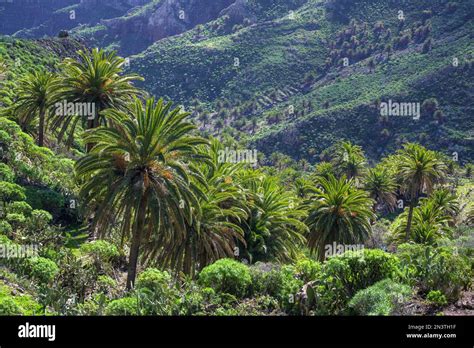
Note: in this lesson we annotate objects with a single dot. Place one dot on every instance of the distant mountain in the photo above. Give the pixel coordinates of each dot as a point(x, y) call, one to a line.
point(292, 76)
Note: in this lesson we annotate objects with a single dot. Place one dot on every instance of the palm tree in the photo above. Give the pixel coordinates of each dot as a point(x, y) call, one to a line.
point(273, 228)
point(348, 159)
point(429, 223)
point(338, 213)
point(97, 79)
point(381, 186)
point(142, 171)
point(35, 98)
point(213, 233)
point(418, 170)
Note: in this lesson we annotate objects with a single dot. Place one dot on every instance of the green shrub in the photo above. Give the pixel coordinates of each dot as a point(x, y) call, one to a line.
point(40, 268)
point(437, 298)
point(227, 276)
point(344, 275)
point(440, 268)
point(382, 298)
point(282, 283)
point(6, 174)
point(153, 279)
point(105, 283)
point(308, 269)
point(5, 228)
point(156, 293)
point(101, 250)
point(122, 306)
point(22, 208)
point(9, 307)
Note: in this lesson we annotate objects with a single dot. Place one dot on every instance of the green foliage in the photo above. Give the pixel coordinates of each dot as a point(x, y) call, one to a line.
point(9, 307)
point(5, 228)
point(436, 268)
point(122, 306)
point(41, 269)
point(344, 275)
point(437, 298)
point(226, 276)
point(101, 250)
point(340, 213)
point(6, 174)
point(152, 279)
point(308, 269)
point(382, 298)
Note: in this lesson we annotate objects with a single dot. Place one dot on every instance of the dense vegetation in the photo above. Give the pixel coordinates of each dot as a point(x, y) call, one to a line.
point(131, 209)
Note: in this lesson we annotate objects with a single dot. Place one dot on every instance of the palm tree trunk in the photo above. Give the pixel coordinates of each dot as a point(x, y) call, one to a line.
point(410, 217)
point(94, 123)
point(42, 114)
point(136, 241)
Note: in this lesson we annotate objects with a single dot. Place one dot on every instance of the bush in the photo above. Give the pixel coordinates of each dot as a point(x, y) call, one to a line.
point(282, 283)
point(344, 275)
point(430, 268)
point(156, 293)
point(9, 307)
point(308, 270)
point(5, 228)
point(6, 174)
point(22, 208)
point(122, 306)
point(40, 268)
point(382, 298)
point(100, 250)
point(105, 283)
point(153, 279)
point(437, 298)
point(227, 276)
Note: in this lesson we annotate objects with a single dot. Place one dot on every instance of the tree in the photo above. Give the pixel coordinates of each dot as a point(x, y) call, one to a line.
point(418, 170)
point(273, 228)
point(213, 232)
point(142, 171)
point(348, 159)
point(381, 186)
point(95, 79)
point(36, 97)
point(429, 224)
point(339, 213)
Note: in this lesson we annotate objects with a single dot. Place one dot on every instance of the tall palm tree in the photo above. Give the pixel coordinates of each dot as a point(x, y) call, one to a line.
point(348, 159)
point(429, 223)
point(338, 213)
point(214, 232)
point(97, 79)
point(418, 170)
point(273, 228)
point(381, 186)
point(142, 171)
point(36, 93)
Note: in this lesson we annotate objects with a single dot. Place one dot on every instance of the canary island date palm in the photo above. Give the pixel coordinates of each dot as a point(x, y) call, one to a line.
point(418, 170)
point(430, 222)
point(214, 232)
point(381, 186)
point(339, 213)
point(348, 159)
point(273, 229)
point(97, 78)
point(36, 96)
point(142, 171)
